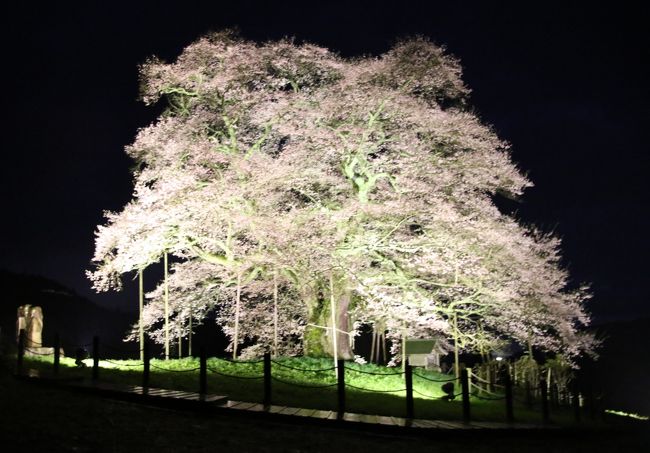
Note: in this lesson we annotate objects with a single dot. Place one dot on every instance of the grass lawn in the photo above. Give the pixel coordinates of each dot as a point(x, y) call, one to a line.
point(36, 418)
point(309, 389)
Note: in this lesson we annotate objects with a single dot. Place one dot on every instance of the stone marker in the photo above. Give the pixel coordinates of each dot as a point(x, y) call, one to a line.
point(30, 318)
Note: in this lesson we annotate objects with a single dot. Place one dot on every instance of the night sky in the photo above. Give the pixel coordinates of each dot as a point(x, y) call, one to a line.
point(566, 85)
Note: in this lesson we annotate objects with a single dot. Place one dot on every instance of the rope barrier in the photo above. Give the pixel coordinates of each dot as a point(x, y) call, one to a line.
point(239, 361)
point(174, 371)
point(233, 376)
point(122, 364)
point(126, 351)
point(84, 345)
point(435, 380)
point(428, 396)
point(302, 369)
point(489, 399)
point(38, 353)
point(373, 373)
point(484, 391)
point(304, 385)
point(375, 391)
point(483, 381)
point(524, 402)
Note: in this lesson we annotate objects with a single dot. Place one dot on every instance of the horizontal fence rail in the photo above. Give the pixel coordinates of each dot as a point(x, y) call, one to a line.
point(470, 384)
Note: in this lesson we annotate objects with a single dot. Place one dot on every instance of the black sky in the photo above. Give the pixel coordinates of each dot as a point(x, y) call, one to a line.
point(566, 85)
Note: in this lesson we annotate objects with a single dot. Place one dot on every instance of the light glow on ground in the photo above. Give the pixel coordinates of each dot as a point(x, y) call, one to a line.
point(627, 414)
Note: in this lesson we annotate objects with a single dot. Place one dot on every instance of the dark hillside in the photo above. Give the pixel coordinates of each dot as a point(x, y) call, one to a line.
point(76, 318)
point(623, 369)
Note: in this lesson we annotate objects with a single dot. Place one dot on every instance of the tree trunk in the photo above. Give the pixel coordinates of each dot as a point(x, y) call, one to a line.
point(343, 327)
point(318, 340)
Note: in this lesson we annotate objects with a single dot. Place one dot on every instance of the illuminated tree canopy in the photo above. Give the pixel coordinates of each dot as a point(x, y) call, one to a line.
point(300, 191)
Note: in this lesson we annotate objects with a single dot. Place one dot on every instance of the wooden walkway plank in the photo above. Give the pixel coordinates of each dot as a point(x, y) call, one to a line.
point(188, 399)
point(289, 410)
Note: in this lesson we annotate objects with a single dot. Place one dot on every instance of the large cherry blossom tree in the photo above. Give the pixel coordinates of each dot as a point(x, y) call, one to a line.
point(303, 195)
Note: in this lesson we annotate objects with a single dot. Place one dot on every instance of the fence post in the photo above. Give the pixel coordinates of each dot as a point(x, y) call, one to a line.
point(95, 357)
point(146, 366)
point(510, 415)
point(203, 372)
point(464, 383)
point(408, 377)
point(555, 395)
point(340, 375)
point(21, 351)
point(57, 353)
point(544, 395)
point(575, 400)
point(267, 378)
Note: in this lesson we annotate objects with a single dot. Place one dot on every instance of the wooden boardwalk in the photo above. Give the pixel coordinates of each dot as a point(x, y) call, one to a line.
point(177, 399)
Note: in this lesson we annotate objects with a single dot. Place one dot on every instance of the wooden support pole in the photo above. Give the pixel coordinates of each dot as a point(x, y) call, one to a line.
point(575, 400)
point(275, 313)
point(464, 383)
point(340, 375)
point(510, 415)
point(21, 351)
point(546, 418)
point(141, 308)
point(267, 378)
point(189, 345)
point(203, 372)
point(95, 358)
point(146, 366)
point(166, 307)
point(57, 353)
point(335, 332)
point(408, 379)
point(235, 342)
point(456, 347)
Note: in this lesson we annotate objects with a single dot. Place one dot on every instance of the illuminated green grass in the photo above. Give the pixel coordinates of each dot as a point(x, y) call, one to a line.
point(383, 395)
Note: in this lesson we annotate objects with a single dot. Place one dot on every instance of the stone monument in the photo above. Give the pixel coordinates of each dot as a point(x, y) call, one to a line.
point(30, 319)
